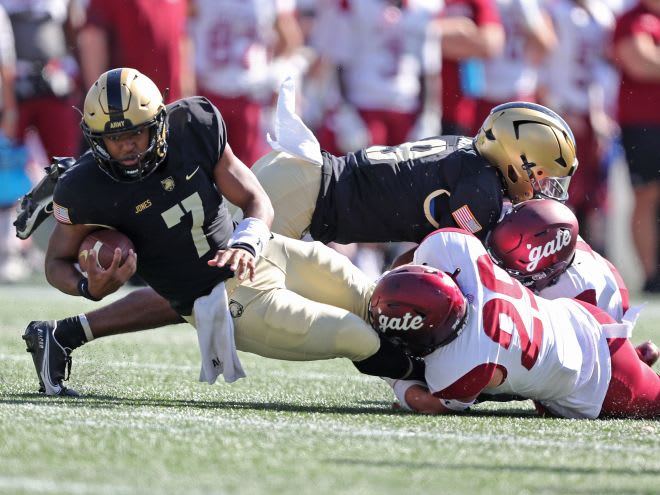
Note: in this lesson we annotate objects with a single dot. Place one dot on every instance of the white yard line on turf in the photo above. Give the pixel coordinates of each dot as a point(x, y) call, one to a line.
point(35, 485)
point(156, 420)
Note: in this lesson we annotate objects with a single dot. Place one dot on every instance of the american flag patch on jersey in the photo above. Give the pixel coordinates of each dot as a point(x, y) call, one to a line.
point(61, 213)
point(464, 217)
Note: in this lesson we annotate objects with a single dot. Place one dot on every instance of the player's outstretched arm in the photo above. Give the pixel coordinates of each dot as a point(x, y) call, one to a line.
point(240, 186)
point(421, 400)
point(416, 396)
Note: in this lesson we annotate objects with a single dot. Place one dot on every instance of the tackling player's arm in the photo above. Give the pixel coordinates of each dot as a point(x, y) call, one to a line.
point(404, 258)
point(240, 186)
point(417, 397)
point(62, 254)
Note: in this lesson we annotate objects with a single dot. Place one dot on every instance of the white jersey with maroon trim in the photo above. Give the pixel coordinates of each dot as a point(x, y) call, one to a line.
point(550, 351)
point(593, 279)
point(232, 39)
point(381, 48)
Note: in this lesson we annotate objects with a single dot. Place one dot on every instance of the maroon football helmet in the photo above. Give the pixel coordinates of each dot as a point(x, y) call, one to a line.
point(419, 307)
point(535, 242)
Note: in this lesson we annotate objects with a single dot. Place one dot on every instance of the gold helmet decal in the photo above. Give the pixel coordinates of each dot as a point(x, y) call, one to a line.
point(533, 148)
point(125, 100)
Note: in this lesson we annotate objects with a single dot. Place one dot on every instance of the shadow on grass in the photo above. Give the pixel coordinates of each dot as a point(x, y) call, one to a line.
point(109, 402)
point(373, 407)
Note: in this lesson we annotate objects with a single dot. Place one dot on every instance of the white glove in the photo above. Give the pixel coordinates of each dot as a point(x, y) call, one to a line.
point(427, 125)
point(350, 131)
point(296, 66)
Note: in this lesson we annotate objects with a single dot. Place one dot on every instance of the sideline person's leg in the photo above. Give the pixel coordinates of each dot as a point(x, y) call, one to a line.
point(642, 147)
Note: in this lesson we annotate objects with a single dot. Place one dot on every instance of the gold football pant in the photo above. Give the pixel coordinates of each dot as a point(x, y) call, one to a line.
point(307, 302)
point(292, 184)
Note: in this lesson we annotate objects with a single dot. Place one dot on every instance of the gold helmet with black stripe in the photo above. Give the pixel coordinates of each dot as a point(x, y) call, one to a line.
point(124, 100)
point(533, 148)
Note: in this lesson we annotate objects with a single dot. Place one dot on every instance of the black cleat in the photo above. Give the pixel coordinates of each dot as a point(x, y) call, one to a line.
point(37, 205)
point(51, 360)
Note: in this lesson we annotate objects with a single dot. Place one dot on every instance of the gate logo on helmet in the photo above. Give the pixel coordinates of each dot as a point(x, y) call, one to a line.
point(406, 322)
point(537, 253)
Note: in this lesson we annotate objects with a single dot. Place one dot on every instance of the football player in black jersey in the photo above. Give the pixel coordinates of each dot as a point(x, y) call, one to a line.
point(398, 193)
point(159, 174)
point(402, 193)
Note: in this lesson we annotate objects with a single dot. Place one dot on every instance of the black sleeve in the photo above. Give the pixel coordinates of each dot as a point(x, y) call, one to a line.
point(76, 205)
point(475, 205)
point(197, 122)
point(222, 131)
point(209, 116)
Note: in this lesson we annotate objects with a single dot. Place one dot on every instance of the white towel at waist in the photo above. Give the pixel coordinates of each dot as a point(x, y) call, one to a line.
point(291, 133)
point(215, 333)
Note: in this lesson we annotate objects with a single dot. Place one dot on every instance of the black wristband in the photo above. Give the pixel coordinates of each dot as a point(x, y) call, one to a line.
point(245, 247)
point(83, 289)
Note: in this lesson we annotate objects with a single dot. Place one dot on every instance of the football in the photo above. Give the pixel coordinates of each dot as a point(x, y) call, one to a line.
point(104, 242)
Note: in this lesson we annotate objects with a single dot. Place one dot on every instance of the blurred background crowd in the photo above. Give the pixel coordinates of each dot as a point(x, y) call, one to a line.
point(368, 72)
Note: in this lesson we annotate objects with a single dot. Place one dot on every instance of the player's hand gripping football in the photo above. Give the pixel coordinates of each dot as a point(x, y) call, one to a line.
point(103, 282)
point(240, 261)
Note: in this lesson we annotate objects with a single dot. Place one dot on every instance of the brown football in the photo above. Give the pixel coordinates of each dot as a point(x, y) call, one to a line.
point(104, 242)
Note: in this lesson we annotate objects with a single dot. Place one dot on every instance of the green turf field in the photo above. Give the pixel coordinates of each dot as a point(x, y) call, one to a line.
point(147, 426)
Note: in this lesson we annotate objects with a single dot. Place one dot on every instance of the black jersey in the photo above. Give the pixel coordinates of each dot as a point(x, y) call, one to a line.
point(402, 193)
point(175, 217)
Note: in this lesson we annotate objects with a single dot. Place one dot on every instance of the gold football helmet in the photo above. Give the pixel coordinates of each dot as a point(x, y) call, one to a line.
point(533, 148)
point(124, 100)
